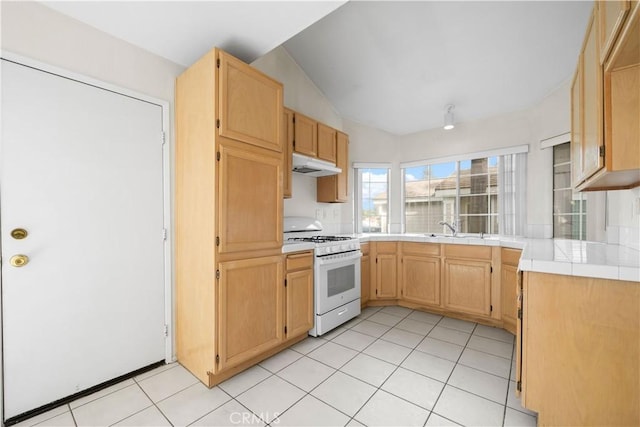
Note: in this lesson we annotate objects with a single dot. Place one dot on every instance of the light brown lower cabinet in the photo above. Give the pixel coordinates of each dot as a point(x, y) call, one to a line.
point(299, 294)
point(467, 279)
point(580, 355)
point(420, 273)
point(509, 287)
point(250, 310)
point(365, 275)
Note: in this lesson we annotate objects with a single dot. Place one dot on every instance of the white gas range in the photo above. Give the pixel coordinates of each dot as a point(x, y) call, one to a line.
point(336, 269)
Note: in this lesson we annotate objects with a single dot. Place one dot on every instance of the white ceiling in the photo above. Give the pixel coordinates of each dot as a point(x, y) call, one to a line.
point(183, 31)
point(388, 64)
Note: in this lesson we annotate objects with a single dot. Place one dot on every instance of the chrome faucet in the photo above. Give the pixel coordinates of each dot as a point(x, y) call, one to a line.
point(451, 227)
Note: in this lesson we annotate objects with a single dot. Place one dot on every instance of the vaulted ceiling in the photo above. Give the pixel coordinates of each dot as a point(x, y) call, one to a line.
point(392, 65)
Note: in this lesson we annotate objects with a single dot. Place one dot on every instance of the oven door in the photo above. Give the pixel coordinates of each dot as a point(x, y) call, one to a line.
point(337, 280)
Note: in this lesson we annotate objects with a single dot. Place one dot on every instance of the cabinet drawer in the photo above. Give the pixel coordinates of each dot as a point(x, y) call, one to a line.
point(364, 248)
point(386, 247)
point(421, 248)
point(467, 251)
point(510, 256)
point(300, 261)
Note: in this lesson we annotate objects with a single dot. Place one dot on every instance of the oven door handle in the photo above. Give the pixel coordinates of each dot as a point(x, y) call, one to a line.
point(323, 260)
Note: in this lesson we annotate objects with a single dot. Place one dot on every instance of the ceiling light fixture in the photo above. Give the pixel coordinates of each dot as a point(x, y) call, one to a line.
point(448, 117)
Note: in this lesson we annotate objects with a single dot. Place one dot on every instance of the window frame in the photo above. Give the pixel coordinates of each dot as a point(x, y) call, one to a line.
point(516, 225)
point(357, 205)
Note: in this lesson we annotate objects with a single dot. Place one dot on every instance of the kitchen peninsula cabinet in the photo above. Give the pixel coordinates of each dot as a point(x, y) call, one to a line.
point(384, 270)
point(365, 275)
point(228, 217)
point(467, 274)
point(509, 278)
point(305, 135)
point(334, 188)
point(606, 101)
point(580, 359)
point(299, 294)
point(420, 273)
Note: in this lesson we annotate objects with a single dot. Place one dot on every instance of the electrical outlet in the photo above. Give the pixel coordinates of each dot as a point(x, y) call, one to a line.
point(318, 213)
point(636, 206)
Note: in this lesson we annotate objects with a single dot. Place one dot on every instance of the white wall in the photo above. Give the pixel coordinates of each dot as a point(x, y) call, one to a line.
point(36, 32)
point(611, 215)
point(302, 95)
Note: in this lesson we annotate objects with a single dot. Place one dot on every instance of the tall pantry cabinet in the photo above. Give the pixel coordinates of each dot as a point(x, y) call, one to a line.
point(229, 266)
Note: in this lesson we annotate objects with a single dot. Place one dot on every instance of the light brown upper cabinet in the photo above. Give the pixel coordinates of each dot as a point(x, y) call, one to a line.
point(326, 143)
point(606, 105)
point(334, 188)
point(592, 160)
point(287, 132)
point(305, 135)
point(611, 14)
point(250, 104)
point(250, 199)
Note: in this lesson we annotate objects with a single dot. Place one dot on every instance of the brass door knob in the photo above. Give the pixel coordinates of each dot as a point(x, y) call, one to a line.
point(19, 260)
point(19, 233)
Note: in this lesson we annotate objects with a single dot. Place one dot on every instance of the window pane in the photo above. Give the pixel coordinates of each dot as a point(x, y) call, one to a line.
point(373, 208)
point(561, 153)
point(429, 197)
point(562, 202)
point(566, 226)
point(562, 176)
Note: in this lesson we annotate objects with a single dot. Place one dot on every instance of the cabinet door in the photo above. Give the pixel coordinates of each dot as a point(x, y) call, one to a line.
point(421, 279)
point(299, 302)
point(365, 279)
point(611, 14)
point(287, 132)
point(334, 188)
point(468, 286)
point(343, 163)
point(250, 104)
point(592, 102)
point(305, 135)
point(250, 298)
point(326, 143)
point(250, 199)
point(509, 285)
point(576, 126)
point(386, 274)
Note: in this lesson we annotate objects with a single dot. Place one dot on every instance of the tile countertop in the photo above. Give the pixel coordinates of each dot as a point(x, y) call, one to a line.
point(558, 256)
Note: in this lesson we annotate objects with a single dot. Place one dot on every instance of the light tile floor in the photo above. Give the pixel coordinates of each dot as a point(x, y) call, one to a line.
point(391, 366)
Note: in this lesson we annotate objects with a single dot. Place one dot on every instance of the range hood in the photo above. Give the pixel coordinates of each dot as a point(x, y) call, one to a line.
point(313, 167)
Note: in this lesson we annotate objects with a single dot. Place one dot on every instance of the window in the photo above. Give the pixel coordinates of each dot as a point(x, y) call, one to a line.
point(372, 195)
point(569, 208)
point(477, 194)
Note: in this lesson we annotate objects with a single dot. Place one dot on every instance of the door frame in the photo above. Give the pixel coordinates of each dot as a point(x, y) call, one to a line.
point(167, 147)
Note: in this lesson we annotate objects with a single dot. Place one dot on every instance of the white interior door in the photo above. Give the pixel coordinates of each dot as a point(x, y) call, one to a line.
point(81, 170)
